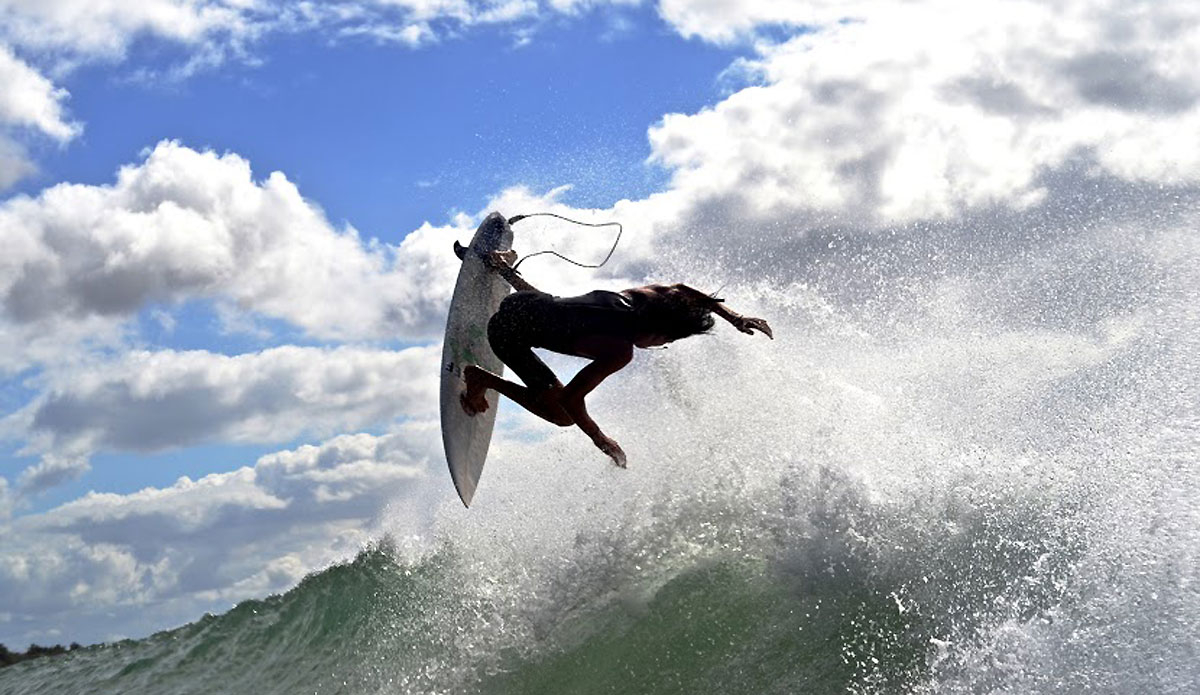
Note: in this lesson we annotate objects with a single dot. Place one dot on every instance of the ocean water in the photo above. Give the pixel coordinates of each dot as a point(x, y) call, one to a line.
point(967, 464)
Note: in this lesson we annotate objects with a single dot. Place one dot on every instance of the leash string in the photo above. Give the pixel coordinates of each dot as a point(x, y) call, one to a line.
point(620, 230)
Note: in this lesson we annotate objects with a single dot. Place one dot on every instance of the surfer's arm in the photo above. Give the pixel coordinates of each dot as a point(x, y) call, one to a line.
point(745, 324)
point(498, 262)
point(584, 383)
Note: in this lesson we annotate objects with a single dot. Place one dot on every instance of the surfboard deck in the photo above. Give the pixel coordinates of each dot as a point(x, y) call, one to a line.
point(477, 295)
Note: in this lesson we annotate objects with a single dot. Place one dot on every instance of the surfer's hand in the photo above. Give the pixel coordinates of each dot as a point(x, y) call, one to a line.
point(474, 398)
point(499, 260)
point(473, 406)
point(749, 324)
point(613, 450)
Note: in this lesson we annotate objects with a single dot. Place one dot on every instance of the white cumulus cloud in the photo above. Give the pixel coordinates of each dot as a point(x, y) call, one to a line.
point(863, 120)
point(168, 554)
point(106, 29)
point(6, 500)
point(187, 224)
point(55, 36)
point(30, 100)
point(725, 21)
point(28, 103)
point(150, 401)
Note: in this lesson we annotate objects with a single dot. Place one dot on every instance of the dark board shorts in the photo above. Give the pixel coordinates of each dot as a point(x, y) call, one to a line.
point(513, 331)
point(526, 320)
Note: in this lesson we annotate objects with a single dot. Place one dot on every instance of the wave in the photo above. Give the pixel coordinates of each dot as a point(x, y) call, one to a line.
point(941, 477)
point(827, 591)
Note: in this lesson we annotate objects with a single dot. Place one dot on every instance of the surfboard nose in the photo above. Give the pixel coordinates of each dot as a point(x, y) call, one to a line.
point(493, 228)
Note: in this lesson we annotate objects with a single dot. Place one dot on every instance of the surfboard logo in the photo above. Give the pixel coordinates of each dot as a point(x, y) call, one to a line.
point(460, 355)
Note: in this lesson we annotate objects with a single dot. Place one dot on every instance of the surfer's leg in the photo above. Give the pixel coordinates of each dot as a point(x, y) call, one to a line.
point(512, 333)
point(543, 403)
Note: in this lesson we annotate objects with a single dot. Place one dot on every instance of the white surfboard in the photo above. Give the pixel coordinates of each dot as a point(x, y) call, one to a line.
point(476, 297)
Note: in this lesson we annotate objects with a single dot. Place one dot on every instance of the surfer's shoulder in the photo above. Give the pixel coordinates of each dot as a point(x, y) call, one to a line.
point(676, 291)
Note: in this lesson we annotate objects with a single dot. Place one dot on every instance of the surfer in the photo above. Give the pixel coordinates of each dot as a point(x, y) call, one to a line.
point(601, 326)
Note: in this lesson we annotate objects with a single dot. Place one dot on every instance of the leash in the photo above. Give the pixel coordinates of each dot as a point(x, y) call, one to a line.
point(620, 230)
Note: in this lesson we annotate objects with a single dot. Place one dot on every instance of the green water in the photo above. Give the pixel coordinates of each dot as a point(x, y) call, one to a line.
point(823, 609)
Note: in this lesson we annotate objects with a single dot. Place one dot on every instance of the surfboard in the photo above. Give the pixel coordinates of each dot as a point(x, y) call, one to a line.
point(477, 295)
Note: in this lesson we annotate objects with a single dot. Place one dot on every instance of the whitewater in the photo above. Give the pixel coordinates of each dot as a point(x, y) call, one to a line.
point(966, 464)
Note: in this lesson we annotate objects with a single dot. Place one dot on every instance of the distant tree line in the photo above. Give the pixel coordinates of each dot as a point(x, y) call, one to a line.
point(8, 658)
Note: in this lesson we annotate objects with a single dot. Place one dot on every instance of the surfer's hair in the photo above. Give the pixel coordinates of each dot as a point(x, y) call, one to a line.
point(676, 311)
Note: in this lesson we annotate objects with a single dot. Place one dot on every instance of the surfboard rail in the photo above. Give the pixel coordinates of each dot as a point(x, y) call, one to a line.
point(477, 294)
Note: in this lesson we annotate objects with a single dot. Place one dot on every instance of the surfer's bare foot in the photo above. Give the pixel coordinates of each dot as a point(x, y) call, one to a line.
point(474, 399)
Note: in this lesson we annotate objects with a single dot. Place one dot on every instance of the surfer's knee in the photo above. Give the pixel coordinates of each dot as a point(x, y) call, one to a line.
point(555, 413)
point(550, 404)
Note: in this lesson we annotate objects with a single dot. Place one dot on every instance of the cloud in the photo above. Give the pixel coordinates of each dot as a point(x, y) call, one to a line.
point(83, 30)
point(29, 100)
point(56, 36)
point(418, 23)
point(28, 103)
point(6, 501)
point(727, 21)
point(50, 472)
point(14, 163)
point(198, 545)
point(415, 22)
point(106, 29)
point(956, 237)
point(61, 35)
point(859, 121)
point(186, 224)
point(150, 401)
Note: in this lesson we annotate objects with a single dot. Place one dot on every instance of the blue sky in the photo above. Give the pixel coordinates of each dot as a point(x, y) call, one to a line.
point(255, 301)
point(383, 137)
point(386, 136)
